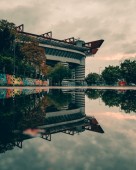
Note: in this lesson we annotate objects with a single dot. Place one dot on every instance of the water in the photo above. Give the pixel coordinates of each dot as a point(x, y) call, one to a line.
point(67, 129)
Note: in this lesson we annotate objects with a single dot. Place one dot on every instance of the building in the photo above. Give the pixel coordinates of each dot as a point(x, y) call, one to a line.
point(70, 52)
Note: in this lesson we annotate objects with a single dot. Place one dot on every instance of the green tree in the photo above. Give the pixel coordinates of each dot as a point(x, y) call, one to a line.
point(58, 73)
point(128, 71)
point(111, 75)
point(7, 36)
point(93, 78)
point(6, 64)
point(21, 50)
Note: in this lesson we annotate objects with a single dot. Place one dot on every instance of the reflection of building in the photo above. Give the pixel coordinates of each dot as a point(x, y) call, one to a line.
point(72, 119)
point(71, 111)
point(12, 138)
point(72, 127)
point(40, 116)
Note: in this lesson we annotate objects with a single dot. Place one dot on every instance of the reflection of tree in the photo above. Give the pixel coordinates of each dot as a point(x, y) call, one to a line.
point(30, 110)
point(8, 110)
point(59, 99)
point(93, 94)
point(23, 112)
point(34, 114)
point(126, 100)
point(6, 136)
point(26, 111)
point(111, 98)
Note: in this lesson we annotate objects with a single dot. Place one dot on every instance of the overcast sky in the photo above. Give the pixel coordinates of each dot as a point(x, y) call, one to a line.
point(111, 20)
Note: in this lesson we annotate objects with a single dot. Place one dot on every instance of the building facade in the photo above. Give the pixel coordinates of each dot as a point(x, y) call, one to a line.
point(70, 52)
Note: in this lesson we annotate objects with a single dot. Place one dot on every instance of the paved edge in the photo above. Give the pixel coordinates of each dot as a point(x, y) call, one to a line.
point(71, 87)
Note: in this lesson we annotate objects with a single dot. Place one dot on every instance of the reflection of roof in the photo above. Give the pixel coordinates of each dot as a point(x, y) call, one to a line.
point(72, 127)
point(62, 119)
point(63, 112)
point(63, 123)
point(16, 137)
point(93, 125)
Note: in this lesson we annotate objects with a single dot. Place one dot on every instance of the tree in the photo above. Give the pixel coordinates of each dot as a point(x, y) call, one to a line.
point(111, 74)
point(7, 36)
point(128, 71)
point(58, 73)
point(92, 78)
point(21, 50)
point(34, 55)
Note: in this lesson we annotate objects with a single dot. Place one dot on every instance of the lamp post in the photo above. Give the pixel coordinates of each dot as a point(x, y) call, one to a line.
point(14, 58)
point(14, 53)
point(100, 81)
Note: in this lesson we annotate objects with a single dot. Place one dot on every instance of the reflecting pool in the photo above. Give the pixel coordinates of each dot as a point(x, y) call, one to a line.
point(67, 129)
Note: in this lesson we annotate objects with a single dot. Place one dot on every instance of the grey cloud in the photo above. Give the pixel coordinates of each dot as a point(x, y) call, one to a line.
point(90, 29)
point(30, 16)
point(113, 21)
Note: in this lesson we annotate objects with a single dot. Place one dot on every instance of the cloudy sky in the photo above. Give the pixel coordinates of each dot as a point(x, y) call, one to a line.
point(113, 21)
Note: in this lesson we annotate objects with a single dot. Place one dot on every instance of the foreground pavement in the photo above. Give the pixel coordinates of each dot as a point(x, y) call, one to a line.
point(71, 87)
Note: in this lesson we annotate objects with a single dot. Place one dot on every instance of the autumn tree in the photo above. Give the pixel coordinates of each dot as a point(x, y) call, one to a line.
point(35, 56)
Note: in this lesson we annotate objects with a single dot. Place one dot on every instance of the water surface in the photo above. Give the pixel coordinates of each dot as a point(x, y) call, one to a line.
point(67, 129)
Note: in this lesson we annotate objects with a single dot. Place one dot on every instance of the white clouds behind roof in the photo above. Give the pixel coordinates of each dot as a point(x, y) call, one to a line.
point(113, 21)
